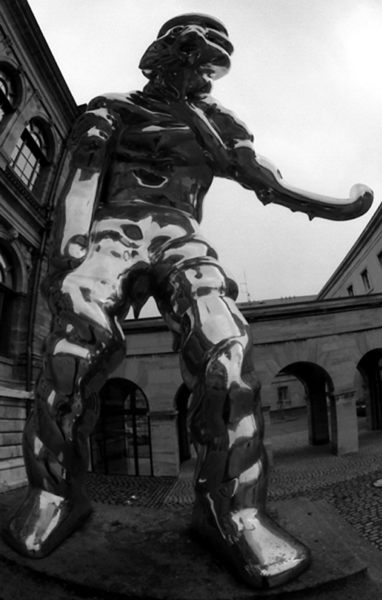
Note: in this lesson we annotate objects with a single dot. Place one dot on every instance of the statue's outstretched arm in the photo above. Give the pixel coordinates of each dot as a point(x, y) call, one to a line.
point(229, 144)
point(257, 173)
point(88, 148)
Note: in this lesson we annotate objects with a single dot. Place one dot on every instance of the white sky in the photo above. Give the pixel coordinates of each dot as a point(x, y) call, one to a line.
point(306, 79)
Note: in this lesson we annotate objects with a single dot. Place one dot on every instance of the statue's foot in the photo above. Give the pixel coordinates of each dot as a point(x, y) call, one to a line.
point(255, 547)
point(43, 521)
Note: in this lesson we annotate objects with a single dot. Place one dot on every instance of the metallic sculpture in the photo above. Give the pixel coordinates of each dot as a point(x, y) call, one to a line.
point(127, 228)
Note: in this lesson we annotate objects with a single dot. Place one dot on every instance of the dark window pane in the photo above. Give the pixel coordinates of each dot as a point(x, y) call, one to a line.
point(366, 280)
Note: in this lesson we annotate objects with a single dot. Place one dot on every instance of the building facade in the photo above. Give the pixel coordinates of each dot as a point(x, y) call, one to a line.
point(36, 113)
point(360, 272)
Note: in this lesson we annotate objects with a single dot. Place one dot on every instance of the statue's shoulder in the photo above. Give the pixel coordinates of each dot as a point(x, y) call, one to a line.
point(225, 120)
point(125, 101)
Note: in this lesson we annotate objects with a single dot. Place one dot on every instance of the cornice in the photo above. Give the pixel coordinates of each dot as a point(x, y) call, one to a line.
point(257, 312)
point(311, 308)
point(37, 51)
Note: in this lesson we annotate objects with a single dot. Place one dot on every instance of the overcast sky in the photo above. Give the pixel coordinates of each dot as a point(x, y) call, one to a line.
point(305, 77)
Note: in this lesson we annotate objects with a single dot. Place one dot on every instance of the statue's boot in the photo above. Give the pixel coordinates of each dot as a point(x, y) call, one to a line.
point(56, 503)
point(230, 488)
point(56, 438)
point(259, 551)
point(43, 521)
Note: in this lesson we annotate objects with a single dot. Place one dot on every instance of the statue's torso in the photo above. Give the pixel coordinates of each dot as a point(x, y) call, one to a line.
point(155, 157)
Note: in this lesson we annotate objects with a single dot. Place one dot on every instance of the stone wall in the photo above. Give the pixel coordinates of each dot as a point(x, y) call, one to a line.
point(12, 421)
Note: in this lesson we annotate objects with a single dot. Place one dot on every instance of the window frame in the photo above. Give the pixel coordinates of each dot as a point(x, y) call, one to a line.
point(350, 290)
point(366, 280)
point(32, 153)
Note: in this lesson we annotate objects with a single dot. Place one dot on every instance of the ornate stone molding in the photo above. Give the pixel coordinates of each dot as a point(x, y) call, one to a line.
point(18, 184)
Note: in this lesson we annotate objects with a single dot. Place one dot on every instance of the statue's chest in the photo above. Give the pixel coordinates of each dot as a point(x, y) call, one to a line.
point(158, 135)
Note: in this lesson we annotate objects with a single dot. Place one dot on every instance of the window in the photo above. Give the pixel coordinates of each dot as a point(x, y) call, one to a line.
point(379, 256)
point(366, 280)
point(350, 290)
point(6, 300)
point(8, 92)
point(121, 442)
point(282, 397)
point(30, 154)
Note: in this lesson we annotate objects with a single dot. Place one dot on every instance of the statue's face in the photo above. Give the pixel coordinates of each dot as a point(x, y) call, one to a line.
point(188, 55)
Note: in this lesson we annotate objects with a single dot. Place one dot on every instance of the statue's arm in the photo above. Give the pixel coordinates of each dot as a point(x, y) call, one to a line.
point(261, 176)
point(235, 158)
point(88, 147)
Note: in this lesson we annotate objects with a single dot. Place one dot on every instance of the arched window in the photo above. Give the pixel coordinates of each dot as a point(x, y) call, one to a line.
point(31, 154)
point(121, 443)
point(8, 91)
point(7, 293)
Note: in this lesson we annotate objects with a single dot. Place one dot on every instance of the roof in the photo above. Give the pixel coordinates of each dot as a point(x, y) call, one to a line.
point(373, 225)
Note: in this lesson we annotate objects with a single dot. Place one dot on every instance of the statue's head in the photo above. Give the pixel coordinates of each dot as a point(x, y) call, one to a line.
point(193, 49)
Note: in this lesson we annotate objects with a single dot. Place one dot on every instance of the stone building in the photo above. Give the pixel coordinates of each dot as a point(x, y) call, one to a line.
point(36, 114)
point(360, 272)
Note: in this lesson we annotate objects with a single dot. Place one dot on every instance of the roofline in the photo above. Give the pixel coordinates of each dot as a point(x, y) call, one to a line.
point(366, 234)
point(269, 312)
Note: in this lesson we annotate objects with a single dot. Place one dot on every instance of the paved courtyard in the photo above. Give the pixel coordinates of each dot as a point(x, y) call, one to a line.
point(346, 482)
point(161, 507)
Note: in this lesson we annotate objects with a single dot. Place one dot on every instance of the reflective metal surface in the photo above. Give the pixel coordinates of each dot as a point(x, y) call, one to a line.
point(127, 228)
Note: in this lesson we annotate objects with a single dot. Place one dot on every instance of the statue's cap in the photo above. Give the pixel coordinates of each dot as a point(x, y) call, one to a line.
point(198, 19)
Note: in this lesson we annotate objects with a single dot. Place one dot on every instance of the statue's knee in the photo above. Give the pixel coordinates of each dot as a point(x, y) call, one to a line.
point(198, 281)
point(226, 359)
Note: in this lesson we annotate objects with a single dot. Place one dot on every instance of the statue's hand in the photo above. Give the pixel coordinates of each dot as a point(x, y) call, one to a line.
point(265, 194)
point(269, 186)
point(90, 137)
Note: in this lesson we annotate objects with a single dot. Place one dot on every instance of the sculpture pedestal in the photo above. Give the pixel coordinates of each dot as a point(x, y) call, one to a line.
point(150, 553)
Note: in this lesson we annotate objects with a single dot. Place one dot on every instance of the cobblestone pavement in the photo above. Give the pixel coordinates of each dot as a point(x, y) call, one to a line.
point(346, 482)
point(131, 491)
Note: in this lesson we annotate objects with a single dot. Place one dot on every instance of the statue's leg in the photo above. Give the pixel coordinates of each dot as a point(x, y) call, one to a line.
point(227, 427)
point(78, 355)
point(85, 345)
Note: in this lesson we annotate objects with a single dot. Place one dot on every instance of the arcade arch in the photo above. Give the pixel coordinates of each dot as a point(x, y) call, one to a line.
point(317, 390)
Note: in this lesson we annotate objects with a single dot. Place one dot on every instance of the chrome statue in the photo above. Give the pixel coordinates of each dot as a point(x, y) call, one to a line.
point(128, 228)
